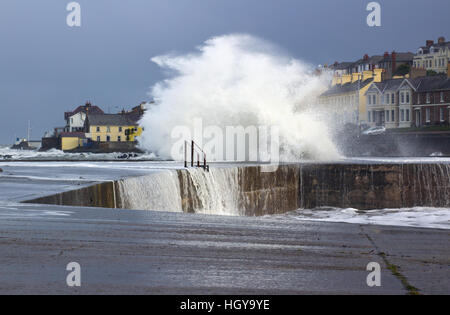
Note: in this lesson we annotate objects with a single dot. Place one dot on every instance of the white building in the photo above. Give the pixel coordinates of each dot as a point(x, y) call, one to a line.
point(433, 56)
point(382, 100)
point(75, 122)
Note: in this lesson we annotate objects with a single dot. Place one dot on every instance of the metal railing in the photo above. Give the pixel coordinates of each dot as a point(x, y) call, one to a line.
point(195, 150)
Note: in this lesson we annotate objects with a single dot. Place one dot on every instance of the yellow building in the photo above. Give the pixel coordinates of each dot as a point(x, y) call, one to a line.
point(346, 100)
point(72, 140)
point(112, 128)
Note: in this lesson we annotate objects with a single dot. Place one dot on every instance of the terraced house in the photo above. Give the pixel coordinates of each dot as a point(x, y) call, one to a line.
point(433, 56)
point(431, 101)
point(345, 100)
point(405, 103)
point(382, 99)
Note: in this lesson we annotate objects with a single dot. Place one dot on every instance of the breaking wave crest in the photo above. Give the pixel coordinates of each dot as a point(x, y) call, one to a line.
point(238, 80)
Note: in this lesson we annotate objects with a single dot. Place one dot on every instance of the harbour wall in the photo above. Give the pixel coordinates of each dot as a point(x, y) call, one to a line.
point(249, 191)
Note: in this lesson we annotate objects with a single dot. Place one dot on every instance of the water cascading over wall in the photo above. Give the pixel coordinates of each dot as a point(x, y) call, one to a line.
point(224, 191)
point(248, 191)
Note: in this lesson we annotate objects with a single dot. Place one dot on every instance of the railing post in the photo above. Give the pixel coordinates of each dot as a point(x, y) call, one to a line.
point(192, 153)
point(185, 154)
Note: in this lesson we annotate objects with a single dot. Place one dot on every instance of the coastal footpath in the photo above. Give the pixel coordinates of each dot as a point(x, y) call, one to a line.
point(149, 252)
point(154, 252)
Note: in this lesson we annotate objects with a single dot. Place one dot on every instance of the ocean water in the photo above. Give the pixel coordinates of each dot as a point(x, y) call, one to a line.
point(214, 195)
point(57, 155)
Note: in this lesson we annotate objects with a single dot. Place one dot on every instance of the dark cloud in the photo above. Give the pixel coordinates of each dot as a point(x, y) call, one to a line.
point(47, 67)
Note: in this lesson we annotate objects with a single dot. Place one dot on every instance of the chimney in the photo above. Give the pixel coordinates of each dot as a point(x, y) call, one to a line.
point(441, 40)
point(429, 43)
point(386, 55)
point(366, 57)
point(394, 62)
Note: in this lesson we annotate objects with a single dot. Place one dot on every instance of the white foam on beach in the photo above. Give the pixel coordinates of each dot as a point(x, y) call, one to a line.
point(425, 217)
point(7, 153)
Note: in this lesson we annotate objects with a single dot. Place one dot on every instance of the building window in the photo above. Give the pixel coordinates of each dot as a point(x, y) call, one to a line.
point(393, 115)
point(418, 98)
point(120, 129)
point(387, 116)
point(407, 115)
point(407, 97)
point(108, 138)
point(369, 100)
point(393, 98)
point(442, 97)
point(108, 129)
point(441, 114)
point(98, 138)
point(374, 99)
point(119, 139)
point(369, 116)
point(428, 114)
point(402, 115)
point(98, 129)
point(402, 97)
point(428, 98)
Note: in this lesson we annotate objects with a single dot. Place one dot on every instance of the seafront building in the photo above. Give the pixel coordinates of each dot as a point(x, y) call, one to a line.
point(394, 90)
point(111, 128)
point(433, 56)
point(89, 129)
point(345, 99)
point(410, 102)
point(75, 120)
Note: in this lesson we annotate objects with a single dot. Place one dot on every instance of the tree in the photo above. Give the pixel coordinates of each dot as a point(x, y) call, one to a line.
point(403, 69)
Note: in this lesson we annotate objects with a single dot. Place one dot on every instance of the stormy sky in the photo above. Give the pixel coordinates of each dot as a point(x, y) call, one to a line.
point(47, 67)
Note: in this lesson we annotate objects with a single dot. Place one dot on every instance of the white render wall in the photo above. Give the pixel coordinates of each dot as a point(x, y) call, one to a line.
point(76, 121)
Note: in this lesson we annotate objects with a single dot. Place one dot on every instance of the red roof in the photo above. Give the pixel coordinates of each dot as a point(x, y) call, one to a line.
point(95, 110)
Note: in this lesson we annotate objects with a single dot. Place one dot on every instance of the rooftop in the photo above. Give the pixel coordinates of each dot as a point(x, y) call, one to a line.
point(346, 88)
point(110, 120)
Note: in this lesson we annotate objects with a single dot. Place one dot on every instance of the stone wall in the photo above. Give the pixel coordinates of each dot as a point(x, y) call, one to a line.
point(360, 186)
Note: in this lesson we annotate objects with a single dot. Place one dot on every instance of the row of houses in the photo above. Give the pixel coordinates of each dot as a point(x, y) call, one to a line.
point(398, 90)
point(409, 102)
point(433, 57)
point(89, 128)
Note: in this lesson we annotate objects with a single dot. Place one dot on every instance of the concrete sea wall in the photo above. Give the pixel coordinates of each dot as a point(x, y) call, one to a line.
point(101, 195)
point(249, 191)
